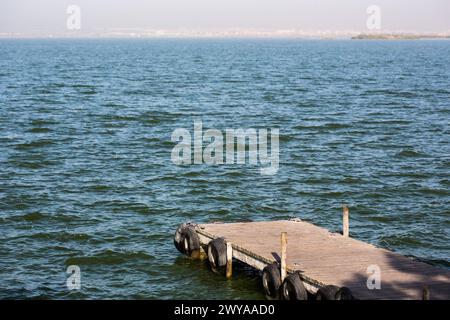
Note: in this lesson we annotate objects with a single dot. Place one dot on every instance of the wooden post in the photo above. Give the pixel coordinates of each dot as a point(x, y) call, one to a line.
point(345, 225)
point(283, 255)
point(425, 293)
point(229, 260)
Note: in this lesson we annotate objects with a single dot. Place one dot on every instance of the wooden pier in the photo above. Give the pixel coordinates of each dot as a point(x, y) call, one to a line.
point(322, 258)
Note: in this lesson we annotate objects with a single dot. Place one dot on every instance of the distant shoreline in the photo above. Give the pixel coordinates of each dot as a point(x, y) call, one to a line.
point(355, 38)
point(386, 36)
point(249, 34)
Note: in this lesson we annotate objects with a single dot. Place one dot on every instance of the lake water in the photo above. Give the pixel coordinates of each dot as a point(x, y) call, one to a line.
point(86, 176)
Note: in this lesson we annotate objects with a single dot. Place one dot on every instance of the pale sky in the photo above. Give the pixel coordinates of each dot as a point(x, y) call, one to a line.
point(49, 16)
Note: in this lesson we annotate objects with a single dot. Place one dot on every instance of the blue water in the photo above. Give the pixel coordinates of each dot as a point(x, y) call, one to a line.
point(86, 176)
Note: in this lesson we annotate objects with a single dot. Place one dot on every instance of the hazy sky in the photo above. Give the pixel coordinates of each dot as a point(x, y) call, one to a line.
point(44, 16)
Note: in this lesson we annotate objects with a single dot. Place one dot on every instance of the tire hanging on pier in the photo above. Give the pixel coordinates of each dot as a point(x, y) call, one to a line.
point(186, 239)
point(327, 293)
point(178, 238)
point(271, 280)
point(293, 288)
point(331, 292)
point(344, 293)
point(217, 253)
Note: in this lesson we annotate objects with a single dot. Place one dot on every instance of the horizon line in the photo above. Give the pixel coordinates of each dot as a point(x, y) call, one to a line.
point(199, 34)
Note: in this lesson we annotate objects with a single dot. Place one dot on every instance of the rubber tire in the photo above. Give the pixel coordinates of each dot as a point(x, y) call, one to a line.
point(271, 280)
point(293, 288)
point(178, 238)
point(327, 293)
point(191, 241)
point(186, 239)
point(344, 293)
point(217, 253)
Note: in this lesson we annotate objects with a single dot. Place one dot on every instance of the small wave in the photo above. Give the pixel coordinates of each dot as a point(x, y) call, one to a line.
point(34, 216)
point(386, 122)
point(61, 236)
point(118, 205)
point(39, 130)
point(269, 98)
point(165, 178)
point(30, 217)
point(82, 86)
point(223, 212)
point(65, 217)
point(418, 175)
point(112, 118)
point(113, 105)
point(334, 125)
point(85, 89)
point(140, 208)
point(200, 181)
point(352, 180)
point(231, 173)
point(190, 174)
point(97, 188)
point(110, 257)
point(56, 85)
point(34, 144)
point(38, 164)
point(390, 92)
point(445, 164)
point(228, 80)
point(41, 100)
point(137, 92)
point(271, 208)
point(300, 89)
point(163, 143)
point(152, 120)
point(383, 219)
point(42, 91)
point(326, 126)
point(398, 240)
point(220, 198)
point(196, 191)
point(318, 181)
point(332, 194)
point(375, 195)
point(286, 138)
point(409, 154)
point(434, 191)
point(42, 122)
point(88, 92)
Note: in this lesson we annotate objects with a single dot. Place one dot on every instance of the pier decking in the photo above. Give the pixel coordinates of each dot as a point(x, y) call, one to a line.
point(325, 258)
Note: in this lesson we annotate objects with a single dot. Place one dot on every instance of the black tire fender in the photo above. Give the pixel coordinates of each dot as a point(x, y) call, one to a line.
point(271, 280)
point(191, 241)
point(217, 253)
point(186, 239)
point(344, 293)
point(293, 288)
point(178, 238)
point(327, 293)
